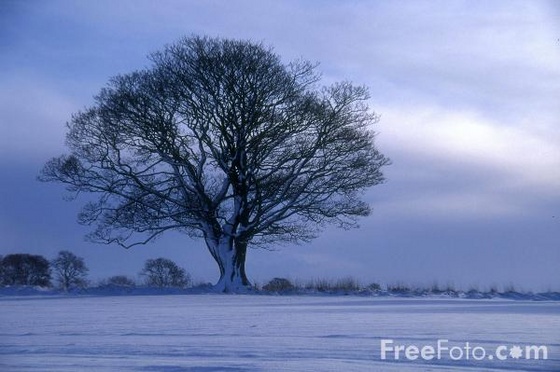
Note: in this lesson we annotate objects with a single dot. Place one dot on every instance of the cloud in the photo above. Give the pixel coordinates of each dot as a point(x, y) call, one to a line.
point(462, 164)
point(522, 152)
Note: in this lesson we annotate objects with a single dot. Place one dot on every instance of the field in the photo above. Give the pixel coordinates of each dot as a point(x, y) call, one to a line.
point(272, 333)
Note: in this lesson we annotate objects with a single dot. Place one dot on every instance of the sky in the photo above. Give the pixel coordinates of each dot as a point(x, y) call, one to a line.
point(468, 96)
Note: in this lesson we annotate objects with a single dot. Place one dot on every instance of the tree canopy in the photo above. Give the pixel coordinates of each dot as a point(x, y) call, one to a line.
point(220, 139)
point(25, 269)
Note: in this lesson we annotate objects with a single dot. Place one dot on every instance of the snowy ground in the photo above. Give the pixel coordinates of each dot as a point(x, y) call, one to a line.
point(267, 333)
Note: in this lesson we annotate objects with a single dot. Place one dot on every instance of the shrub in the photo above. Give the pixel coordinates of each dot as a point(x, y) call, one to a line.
point(374, 287)
point(119, 281)
point(321, 285)
point(278, 285)
point(347, 284)
point(399, 288)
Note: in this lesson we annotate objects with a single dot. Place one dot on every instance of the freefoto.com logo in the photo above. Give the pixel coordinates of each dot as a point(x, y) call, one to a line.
point(465, 351)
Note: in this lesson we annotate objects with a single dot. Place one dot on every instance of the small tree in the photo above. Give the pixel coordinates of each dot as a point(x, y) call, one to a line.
point(70, 270)
point(162, 272)
point(25, 269)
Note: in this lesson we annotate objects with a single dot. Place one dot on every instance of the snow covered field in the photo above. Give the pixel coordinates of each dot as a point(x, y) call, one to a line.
point(270, 333)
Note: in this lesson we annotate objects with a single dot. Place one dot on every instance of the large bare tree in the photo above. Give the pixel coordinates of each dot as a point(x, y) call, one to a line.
point(221, 140)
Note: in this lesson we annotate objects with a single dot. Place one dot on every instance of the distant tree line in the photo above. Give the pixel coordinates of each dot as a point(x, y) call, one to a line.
point(159, 272)
point(68, 271)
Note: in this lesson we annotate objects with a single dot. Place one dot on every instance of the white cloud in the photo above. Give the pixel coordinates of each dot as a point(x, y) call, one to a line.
point(521, 151)
point(463, 164)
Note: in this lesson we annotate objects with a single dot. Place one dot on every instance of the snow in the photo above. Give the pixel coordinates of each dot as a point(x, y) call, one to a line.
point(208, 332)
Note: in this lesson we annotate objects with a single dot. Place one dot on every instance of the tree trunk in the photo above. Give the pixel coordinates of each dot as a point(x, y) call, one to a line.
point(230, 255)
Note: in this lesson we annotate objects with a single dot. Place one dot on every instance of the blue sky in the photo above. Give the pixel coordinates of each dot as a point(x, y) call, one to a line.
point(467, 93)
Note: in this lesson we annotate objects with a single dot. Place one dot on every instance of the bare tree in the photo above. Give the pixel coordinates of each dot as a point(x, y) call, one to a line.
point(70, 270)
point(25, 269)
point(221, 140)
point(162, 272)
